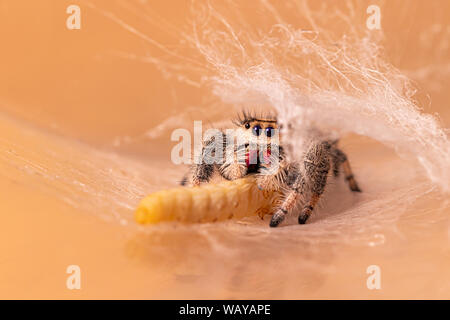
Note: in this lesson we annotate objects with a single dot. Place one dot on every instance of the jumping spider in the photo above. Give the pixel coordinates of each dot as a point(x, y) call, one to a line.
point(299, 181)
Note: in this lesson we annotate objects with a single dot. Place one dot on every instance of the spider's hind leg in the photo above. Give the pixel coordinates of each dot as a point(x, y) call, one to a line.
point(339, 159)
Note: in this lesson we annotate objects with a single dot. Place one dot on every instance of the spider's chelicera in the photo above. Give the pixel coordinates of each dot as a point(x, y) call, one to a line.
point(258, 151)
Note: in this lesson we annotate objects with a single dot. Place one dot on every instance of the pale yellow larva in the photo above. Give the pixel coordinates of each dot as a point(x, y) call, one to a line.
point(206, 203)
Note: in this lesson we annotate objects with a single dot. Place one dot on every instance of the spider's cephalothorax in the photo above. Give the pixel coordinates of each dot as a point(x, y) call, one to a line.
point(254, 147)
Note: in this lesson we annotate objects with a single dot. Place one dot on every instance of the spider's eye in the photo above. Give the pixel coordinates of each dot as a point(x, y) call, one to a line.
point(269, 131)
point(257, 130)
point(247, 125)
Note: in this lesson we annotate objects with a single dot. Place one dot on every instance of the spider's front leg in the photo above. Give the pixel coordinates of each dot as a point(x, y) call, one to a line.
point(201, 173)
point(313, 181)
point(292, 196)
point(317, 166)
point(211, 154)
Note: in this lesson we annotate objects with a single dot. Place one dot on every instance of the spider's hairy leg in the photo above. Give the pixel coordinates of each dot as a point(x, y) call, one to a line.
point(308, 209)
point(295, 184)
point(340, 158)
point(201, 173)
point(350, 177)
point(337, 158)
point(203, 170)
point(317, 166)
point(184, 180)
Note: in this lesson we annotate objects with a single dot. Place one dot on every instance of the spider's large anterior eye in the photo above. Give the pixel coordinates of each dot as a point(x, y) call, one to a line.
point(257, 130)
point(247, 125)
point(269, 131)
